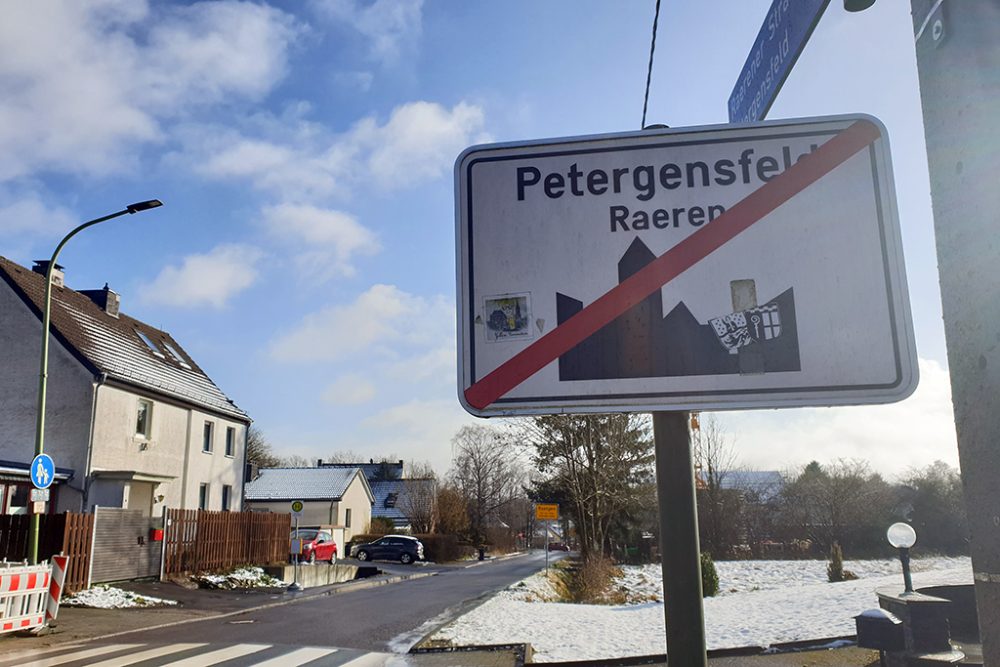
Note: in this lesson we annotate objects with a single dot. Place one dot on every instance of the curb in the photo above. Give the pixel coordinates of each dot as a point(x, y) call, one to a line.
point(347, 588)
point(495, 559)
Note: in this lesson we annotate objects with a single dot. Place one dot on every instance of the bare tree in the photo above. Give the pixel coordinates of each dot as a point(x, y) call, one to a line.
point(418, 497)
point(719, 498)
point(487, 474)
point(259, 450)
point(452, 517)
point(343, 456)
point(296, 461)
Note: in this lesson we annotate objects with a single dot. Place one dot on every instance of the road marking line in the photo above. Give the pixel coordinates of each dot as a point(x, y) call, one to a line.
point(749, 210)
point(371, 660)
point(220, 655)
point(298, 657)
point(155, 652)
point(75, 655)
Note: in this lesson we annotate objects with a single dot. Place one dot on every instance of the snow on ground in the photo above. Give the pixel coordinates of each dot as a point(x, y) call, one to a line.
point(109, 597)
point(246, 577)
point(765, 603)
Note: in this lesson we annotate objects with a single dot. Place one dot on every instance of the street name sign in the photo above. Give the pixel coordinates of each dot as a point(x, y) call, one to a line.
point(547, 512)
point(708, 268)
point(42, 471)
point(784, 33)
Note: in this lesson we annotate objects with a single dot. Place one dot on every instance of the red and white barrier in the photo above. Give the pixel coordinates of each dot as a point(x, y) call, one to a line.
point(24, 594)
point(59, 565)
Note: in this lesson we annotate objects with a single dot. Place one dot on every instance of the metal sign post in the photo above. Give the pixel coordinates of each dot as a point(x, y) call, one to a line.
point(297, 507)
point(680, 556)
point(547, 512)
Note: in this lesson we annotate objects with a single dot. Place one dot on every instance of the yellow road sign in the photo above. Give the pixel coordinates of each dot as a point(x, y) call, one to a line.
point(547, 512)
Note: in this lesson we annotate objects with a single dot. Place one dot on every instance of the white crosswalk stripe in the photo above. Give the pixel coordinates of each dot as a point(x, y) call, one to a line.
point(155, 652)
point(200, 655)
point(297, 657)
point(219, 655)
point(77, 655)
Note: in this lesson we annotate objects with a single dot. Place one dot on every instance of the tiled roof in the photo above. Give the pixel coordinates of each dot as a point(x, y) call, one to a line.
point(301, 483)
point(397, 509)
point(110, 345)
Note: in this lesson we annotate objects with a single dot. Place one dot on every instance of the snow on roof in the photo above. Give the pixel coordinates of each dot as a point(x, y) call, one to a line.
point(301, 483)
point(114, 345)
point(395, 498)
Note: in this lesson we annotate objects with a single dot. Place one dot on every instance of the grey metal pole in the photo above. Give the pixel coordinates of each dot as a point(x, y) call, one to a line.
point(43, 372)
point(546, 547)
point(679, 548)
point(958, 57)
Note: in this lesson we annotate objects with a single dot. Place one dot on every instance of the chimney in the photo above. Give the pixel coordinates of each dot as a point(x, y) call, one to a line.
point(105, 298)
point(58, 276)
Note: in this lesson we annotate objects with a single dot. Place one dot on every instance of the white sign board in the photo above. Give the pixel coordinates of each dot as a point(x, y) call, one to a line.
point(297, 507)
point(718, 267)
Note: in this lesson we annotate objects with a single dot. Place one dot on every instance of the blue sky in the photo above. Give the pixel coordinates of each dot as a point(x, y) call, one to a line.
point(304, 151)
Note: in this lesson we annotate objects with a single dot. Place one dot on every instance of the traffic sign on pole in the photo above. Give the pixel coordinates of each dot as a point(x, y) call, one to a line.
point(717, 267)
point(784, 33)
point(42, 471)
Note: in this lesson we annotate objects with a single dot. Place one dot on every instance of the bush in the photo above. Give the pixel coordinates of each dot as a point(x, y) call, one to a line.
point(441, 548)
point(709, 576)
point(381, 525)
point(591, 582)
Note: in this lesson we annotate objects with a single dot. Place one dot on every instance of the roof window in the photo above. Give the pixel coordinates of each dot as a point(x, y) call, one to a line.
point(150, 344)
point(390, 500)
point(176, 355)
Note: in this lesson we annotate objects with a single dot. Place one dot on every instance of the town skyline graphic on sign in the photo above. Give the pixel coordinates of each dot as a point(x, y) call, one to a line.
point(642, 342)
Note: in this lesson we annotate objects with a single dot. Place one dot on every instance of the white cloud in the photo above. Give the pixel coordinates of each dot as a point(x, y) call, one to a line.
point(351, 389)
point(392, 27)
point(419, 142)
point(28, 215)
point(422, 426)
point(333, 237)
point(382, 317)
point(895, 437)
point(86, 84)
point(209, 279)
point(298, 160)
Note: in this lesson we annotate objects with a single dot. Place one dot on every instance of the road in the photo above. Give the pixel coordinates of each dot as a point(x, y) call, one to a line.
point(384, 618)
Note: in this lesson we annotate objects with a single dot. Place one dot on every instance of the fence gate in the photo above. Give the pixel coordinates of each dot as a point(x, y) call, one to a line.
point(122, 549)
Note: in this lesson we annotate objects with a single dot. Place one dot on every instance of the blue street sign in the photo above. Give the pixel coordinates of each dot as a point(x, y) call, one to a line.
point(782, 36)
point(43, 471)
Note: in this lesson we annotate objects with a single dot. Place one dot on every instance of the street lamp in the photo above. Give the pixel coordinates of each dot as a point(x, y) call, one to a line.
point(44, 367)
point(902, 536)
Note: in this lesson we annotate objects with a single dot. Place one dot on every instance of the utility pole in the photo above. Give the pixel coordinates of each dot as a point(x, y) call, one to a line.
point(958, 57)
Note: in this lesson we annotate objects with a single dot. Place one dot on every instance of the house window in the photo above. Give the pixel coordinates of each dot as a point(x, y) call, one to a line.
point(230, 440)
point(203, 497)
point(227, 494)
point(143, 417)
point(347, 517)
point(206, 441)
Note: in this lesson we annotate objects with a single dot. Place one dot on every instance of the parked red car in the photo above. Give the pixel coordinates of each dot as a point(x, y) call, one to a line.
point(558, 546)
point(317, 544)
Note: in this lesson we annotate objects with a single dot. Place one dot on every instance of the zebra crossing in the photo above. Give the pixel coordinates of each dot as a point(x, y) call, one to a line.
point(199, 655)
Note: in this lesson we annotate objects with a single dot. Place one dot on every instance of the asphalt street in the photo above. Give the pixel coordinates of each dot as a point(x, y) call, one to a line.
point(384, 618)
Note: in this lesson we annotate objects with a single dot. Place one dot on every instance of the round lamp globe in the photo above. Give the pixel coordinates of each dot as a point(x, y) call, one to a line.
point(901, 535)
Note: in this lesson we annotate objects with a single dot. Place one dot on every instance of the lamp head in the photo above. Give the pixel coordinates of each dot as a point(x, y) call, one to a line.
point(901, 535)
point(143, 206)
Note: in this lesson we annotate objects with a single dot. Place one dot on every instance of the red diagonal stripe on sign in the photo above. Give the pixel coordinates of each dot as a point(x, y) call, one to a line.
point(809, 169)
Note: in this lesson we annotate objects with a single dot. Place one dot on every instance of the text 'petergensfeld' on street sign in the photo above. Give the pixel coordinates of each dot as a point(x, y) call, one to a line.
point(705, 268)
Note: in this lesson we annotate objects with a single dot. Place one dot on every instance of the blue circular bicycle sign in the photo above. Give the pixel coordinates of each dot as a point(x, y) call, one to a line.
point(43, 471)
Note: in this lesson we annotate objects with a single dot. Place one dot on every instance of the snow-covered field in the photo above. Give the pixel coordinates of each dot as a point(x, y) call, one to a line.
point(760, 603)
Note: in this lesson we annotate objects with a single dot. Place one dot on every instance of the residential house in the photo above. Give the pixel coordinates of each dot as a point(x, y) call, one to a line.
point(132, 421)
point(337, 497)
point(407, 503)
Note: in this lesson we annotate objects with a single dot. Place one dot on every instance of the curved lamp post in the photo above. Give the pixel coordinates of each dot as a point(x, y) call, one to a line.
point(902, 536)
point(44, 367)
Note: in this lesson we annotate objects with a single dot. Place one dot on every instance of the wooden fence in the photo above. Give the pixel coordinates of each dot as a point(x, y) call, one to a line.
point(70, 534)
point(198, 540)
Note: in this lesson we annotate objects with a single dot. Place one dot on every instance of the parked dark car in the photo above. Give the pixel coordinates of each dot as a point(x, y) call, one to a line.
point(558, 546)
point(403, 548)
point(317, 544)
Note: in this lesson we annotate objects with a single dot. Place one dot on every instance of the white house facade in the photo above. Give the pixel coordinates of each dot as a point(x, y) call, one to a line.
point(131, 420)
